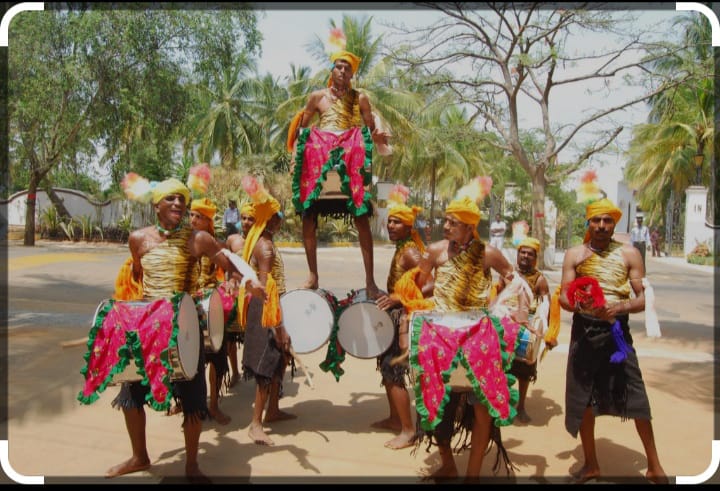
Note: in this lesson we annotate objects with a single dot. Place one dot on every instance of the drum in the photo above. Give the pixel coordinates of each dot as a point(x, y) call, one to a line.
point(364, 330)
point(309, 317)
point(212, 319)
point(331, 186)
point(527, 347)
point(143, 318)
point(454, 321)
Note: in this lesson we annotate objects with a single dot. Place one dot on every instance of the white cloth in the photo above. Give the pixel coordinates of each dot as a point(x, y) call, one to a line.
point(640, 234)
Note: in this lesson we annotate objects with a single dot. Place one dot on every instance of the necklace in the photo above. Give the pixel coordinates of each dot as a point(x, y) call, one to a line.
point(594, 249)
point(464, 247)
point(336, 94)
point(166, 232)
point(401, 243)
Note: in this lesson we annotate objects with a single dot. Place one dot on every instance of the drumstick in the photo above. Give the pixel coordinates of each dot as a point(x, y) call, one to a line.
point(302, 366)
point(74, 342)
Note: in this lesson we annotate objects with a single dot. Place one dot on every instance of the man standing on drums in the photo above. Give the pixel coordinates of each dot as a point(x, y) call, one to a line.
point(202, 216)
point(235, 243)
point(267, 345)
point(164, 259)
point(337, 143)
point(460, 268)
point(597, 382)
point(527, 254)
point(408, 249)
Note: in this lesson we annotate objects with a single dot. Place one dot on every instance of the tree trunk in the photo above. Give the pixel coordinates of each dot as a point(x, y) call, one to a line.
point(538, 214)
point(59, 204)
point(432, 202)
point(30, 211)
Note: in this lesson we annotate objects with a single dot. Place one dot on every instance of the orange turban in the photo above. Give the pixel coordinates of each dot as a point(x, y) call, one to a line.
point(601, 207)
point(352, 59)
point(205, 207)
point(466, 211)
point(530, 242)
point(407, 215)
point(248, 209)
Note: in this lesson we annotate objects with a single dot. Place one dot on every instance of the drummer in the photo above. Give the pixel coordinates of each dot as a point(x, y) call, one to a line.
point(202, 217)
point(460, 267)
point(408, 249)
point(164, 259)
point(235, 243)
point(267, 344)
point(527, 256)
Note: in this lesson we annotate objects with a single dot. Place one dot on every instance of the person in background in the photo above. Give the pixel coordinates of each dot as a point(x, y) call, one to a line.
point(497, 232)
point(230, 218)
point(655, 242)
point(640, 237)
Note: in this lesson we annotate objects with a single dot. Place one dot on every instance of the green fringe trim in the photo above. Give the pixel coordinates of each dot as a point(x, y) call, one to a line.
point(459, 357)
point(334, 357)
point(334, 158)
point(123, 354)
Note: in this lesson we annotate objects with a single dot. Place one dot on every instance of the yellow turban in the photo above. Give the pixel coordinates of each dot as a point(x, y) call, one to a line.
point(168, 187)
point(248, 209)
point(205, 207)
point(264, 211)
point(530, 242)
point(407, 216)
point(601, 207)
point(466, 211)
point(352, 59)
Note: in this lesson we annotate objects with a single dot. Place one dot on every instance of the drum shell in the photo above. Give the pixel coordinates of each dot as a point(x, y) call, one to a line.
point(364, 330)
point(212, 318)
point(454, 320)
point(183, 356)
point(309, 317)
point(527, 347)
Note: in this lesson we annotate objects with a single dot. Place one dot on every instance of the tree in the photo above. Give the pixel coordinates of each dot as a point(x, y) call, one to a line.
point(505, 61)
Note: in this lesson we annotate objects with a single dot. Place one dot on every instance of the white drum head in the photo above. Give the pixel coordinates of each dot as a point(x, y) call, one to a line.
point(188, 337)
point(308, 318)
point(365, 330)
point(215, 319)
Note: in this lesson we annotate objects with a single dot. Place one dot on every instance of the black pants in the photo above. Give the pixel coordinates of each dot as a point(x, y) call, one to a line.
point(641, 246)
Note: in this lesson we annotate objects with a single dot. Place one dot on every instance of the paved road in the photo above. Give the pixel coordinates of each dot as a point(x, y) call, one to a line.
point(54, 291)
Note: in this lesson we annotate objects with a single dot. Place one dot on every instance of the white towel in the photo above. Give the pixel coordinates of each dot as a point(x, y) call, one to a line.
point(652, 326)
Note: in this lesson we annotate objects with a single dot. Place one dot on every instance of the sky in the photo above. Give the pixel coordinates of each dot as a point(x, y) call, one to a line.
point(288, 32)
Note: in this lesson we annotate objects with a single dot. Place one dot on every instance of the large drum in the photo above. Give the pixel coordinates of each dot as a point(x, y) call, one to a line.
point(212, 319)
point(453, 321)
point(151, 322)
point(527, 347)
point(309, 317)
point(364, 330)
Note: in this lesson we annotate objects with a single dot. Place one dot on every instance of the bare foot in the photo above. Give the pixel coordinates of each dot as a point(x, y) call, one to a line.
point(219, 416)
point(234, 380)
point(312, 282)
point(657, 478)
point(278, 416)
point(522, 416)
point(129, 466)
point(584, 475)
point(194, 476)
point(259, 436)
point(403, 440)
point(444, 473)
point(373, 292)
point(387, 424)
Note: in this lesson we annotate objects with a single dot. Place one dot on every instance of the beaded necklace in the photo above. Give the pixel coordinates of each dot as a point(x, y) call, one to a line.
point(166, 232)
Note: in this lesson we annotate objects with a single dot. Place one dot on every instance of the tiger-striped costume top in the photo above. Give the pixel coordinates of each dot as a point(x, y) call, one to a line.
point(169, 267)
point(342, 114)
point(461, 283)
point(208, 273)
point(277, 269)
point(396, 270)
point(608, 268)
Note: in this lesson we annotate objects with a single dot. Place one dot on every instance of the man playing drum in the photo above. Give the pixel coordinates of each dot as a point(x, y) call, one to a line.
point(164, 259)
point(202, 215)
point(235, 243)
point(527, 254)
point(460, 268)
point(408, 248)
point(267, 344)
point(338, 142)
